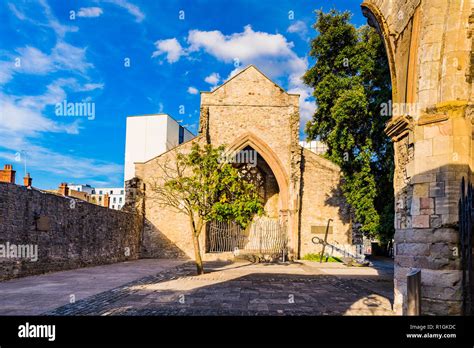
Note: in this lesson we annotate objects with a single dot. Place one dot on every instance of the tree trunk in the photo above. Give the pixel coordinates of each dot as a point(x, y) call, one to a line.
point(197, 251)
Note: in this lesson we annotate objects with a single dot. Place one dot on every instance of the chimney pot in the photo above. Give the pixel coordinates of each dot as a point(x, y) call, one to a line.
point(27, 180)
point(7, 174)
point(63, 189)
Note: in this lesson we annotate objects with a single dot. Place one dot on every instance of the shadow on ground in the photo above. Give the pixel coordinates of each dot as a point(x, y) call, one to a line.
point(242, 289)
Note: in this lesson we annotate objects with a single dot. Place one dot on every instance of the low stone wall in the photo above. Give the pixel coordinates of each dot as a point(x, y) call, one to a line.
point(65, 232)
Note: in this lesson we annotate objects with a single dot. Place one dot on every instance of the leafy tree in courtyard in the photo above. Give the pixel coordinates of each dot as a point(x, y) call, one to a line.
point(205, 188)
point(351, 80)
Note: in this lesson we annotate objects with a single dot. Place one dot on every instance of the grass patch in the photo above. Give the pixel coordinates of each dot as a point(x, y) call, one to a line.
point(317, 257)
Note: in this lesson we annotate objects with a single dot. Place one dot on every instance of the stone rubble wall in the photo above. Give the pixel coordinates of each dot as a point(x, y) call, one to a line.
point(68, 233)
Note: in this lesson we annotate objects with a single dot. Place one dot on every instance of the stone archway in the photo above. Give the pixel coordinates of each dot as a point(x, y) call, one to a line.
point(429, 47)
point(376, 19)
point(250, 139)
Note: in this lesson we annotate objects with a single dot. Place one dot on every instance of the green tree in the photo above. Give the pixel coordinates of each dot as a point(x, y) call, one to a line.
point(351, 80)
point(204, 187)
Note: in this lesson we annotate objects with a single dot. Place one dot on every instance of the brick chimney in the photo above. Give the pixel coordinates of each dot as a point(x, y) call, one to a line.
point(63, 189)
point(7, 174)
point(106, 200)
point(27, 180)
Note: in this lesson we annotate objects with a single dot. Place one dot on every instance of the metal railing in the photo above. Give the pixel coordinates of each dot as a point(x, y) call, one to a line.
point(262, 236)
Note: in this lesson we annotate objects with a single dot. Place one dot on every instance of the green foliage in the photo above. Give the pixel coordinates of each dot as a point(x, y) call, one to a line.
point(351, 79)
point(212, 189)
point(317, 257)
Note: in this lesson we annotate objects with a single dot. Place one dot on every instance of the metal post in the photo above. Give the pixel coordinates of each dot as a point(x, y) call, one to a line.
point(414, 292)
point(325, 241)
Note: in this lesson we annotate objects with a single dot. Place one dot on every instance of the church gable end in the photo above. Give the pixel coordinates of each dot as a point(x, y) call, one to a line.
point(248, 87)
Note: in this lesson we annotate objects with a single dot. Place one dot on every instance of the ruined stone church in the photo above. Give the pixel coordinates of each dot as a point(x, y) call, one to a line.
point(300, 188)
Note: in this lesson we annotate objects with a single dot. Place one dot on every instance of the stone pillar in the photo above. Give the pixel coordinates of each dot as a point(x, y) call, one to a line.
point(429, 49)
point(295, 186)
point(432, 155)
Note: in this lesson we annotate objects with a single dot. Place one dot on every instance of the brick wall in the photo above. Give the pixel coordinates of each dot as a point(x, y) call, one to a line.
point(68, 233)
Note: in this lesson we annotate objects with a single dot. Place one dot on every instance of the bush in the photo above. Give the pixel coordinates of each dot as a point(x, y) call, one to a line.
point(317, 257)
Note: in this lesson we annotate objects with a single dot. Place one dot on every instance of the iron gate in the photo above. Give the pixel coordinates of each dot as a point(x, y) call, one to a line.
point(466, 218)
point(263, 235)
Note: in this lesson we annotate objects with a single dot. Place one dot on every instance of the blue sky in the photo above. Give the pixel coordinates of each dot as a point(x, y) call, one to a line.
point(128, 58)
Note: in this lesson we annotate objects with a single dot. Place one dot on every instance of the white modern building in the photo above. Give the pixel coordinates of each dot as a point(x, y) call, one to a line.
point(82, 188)
point(148, 136)
point(116, 196)
point(316, 146)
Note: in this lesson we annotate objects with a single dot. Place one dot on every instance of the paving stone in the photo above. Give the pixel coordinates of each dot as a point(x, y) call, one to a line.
point(248, 290)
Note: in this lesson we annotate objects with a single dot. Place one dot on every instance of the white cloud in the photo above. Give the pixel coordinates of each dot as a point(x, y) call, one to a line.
point(30, 60)
point(271, 53)
point(192, 90)
point(69, 57)
point(243, 46)
point(42, 159)
point(33, 61)
point(298, 27)
point(20, 15)
point(23, 10)
point(6, 72)
point(23, 122)
point(53, 23)
point(22, 116)
point(131, 8)
point(171, 48)
point(213, 79)
point(92, 86)
point(89, 12)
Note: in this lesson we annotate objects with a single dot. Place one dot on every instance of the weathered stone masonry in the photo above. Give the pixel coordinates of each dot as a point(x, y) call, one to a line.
point(251, 111)
point(69, 233)
point(429, 48)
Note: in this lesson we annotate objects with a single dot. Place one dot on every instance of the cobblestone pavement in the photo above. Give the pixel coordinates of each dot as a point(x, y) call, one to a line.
point(247, 289)
point(34, 295)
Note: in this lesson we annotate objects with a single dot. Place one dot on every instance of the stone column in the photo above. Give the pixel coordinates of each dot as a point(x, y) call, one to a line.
point(429, 48)
point(294, 186)
point(431, 155)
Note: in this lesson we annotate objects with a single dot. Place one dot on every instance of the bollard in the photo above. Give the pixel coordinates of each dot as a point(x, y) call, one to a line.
point(414, 292)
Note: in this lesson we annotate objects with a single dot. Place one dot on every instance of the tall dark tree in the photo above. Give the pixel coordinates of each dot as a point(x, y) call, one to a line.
point(351, 80)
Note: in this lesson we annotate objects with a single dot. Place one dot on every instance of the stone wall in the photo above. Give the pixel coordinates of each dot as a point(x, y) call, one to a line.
point(251, 110)
point(68, 233)
point(166, 233)
point(429, 47)
point(322, 199)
